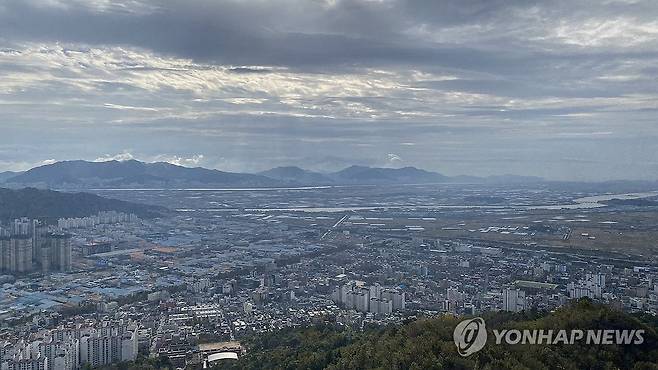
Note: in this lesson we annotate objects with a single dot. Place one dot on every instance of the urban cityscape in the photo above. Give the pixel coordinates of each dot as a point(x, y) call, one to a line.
point(189, 286)
point(328, 184)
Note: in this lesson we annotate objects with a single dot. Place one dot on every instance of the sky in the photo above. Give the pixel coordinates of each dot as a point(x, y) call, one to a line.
point(566, 90)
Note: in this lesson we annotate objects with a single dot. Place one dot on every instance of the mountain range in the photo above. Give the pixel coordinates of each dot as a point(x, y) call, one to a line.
point(355, 175)
point(80, 174)
point(132, 173)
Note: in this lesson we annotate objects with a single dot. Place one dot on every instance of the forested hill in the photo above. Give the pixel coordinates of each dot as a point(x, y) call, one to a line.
point(428, 344)
point(49, 205)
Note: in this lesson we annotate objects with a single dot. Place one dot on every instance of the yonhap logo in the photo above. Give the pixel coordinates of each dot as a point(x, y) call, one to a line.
point(470, 336)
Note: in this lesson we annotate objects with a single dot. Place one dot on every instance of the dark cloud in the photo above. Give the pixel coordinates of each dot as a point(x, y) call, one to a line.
point(294, 33)
point(238, 34)
point(472, 86)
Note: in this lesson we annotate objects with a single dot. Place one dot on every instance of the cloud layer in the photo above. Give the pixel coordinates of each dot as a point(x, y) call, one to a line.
point(562, 89)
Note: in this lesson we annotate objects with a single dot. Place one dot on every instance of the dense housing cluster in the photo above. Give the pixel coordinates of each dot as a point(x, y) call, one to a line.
point(27, 246)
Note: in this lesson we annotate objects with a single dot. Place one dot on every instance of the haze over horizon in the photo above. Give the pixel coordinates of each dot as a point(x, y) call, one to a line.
point(565, 90)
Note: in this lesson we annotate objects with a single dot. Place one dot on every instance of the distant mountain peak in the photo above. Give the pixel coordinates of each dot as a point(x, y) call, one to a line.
point(287, 169)
point(84, 174)
point(4, 176)
point(294, 174)
point(377, 175)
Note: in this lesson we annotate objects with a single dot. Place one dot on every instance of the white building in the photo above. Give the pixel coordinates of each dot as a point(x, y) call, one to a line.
point(373, 299)
point(108, 345)
point(397, 298)
point(72, 348)
point(514, 300)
